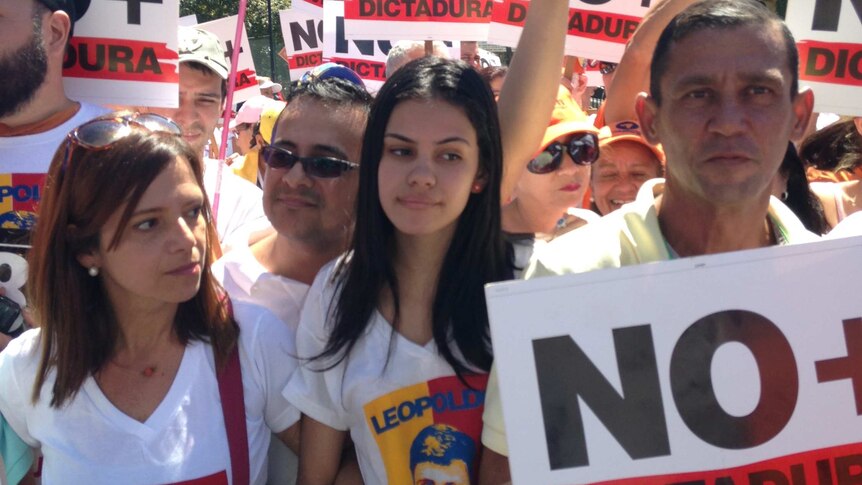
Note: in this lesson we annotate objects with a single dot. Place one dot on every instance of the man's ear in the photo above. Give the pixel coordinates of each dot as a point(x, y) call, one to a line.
point(858, 122)
point(56, 29)
point(803, 105)
point(647, 111)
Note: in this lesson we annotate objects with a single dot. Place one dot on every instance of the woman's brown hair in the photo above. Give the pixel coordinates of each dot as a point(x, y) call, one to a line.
point(83, 189)
point(836, 147)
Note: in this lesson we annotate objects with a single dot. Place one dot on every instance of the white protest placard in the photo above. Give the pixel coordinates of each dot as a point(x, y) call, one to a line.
point(124, 53)
point(188, 20)
point(597, 29)
point(417, 19)
point(366, 57)
point(246, 75)
point(302, 31)
point(829, 37)
point(739, 368)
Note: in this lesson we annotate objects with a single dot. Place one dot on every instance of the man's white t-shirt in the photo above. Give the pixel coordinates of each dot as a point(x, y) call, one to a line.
point(89, 441)
point(240, 205)
point(403, 411)
point(245, 279)
point(24, 162)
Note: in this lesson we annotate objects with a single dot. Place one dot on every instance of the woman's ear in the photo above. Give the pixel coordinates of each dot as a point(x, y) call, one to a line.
point(88, 259)
point(479, 183)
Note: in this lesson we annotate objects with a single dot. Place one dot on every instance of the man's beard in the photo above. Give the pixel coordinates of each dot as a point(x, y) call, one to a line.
point(26, 69)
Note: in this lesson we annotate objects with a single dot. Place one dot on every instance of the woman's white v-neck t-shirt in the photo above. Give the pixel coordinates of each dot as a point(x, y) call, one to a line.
point(407, 412)
point(90, 441)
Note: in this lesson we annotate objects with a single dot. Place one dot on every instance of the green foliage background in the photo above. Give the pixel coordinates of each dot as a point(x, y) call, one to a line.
point(256, 25)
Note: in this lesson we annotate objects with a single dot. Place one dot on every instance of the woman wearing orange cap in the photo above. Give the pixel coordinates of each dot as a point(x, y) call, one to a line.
point(627, 160)
point(557, 177)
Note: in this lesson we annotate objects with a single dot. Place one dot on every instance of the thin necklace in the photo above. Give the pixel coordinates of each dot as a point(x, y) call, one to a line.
point(148, 371)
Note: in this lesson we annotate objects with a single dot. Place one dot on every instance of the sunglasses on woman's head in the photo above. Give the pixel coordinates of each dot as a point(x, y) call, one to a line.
point(582, 147)
point(103, 133)
point(320, 167)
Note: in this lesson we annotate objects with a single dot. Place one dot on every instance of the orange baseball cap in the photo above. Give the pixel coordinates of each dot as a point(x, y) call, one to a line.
point(566, 118)
point(628, 131)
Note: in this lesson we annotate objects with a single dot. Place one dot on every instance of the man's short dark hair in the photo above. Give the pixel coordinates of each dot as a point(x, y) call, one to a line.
point(332, 91)
point(719, 14)
point(197, 66)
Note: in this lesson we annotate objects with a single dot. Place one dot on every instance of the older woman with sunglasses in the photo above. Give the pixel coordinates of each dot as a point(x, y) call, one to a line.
point(141, 372)
point(549, 193)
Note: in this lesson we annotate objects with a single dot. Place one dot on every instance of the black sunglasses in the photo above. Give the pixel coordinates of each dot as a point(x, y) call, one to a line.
point(607, 67)
point(582, 147)
point(321, 167)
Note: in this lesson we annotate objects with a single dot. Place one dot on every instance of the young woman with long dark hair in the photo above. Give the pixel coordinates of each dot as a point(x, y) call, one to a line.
point(400, 322)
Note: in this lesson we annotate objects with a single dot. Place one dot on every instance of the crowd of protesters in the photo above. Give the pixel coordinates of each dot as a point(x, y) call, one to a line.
point(175, 318)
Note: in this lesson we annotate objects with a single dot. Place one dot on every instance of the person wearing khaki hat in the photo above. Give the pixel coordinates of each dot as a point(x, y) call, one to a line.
point(203, 73)
point(627, 160)
point(558, 175)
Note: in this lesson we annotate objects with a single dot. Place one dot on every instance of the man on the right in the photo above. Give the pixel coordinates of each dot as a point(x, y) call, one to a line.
point(723, 102)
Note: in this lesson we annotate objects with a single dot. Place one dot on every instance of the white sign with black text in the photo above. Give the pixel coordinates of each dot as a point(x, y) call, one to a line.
point(124, 53)
point(829, 37)
point(735, 368)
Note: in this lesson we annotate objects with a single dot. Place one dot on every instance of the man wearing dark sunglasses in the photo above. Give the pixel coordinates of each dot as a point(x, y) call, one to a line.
point(308, 195)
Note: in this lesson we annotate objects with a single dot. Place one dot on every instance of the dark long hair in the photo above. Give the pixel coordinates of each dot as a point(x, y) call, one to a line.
point(800, 199)
point(78, 322)
point(836, 147)
point(477, 254)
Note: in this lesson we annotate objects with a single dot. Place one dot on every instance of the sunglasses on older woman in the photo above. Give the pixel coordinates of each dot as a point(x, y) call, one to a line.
point(103, 133)
point(582, 147)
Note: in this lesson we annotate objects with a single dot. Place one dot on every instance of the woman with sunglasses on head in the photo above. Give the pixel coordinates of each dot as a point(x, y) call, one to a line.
point(548, 196)
point(140, 372)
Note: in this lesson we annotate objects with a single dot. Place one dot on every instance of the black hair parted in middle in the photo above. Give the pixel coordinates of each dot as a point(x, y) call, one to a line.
point(477, 253)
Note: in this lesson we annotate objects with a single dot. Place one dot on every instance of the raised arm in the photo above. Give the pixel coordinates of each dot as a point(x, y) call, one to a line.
point(632, 76)
point(528, 95)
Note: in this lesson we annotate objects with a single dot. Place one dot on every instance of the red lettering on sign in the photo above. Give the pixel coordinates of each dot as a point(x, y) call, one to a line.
point(830, 62)
point(307, 59)
point(219, 478)
point(836, 465)
point(510, 12)
point(459, 11)
point(316, 3)
point(370, 70)
point(120, 60)
point(608, 27)
point(245, 79)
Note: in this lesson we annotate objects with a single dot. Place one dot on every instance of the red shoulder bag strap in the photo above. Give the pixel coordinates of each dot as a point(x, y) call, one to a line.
point(233, 408)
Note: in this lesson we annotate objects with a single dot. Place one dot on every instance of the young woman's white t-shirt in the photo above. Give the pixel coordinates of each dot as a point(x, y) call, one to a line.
point(90, 441)
point(403, 412)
